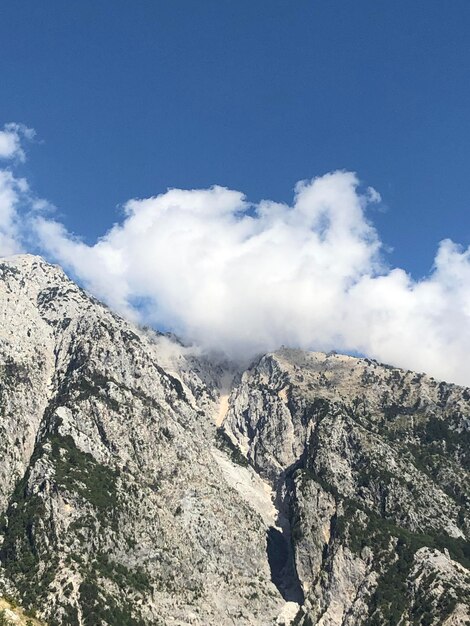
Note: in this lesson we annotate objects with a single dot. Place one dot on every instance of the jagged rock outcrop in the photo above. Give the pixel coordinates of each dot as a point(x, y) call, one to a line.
point(370, 466)
point(144, 483)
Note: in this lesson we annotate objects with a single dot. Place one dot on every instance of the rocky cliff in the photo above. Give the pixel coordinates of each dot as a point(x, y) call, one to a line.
point(370, 469)
point(142, 483)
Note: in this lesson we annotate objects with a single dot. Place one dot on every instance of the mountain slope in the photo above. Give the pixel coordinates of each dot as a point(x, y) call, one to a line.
point(115, 508)
point(142, 483)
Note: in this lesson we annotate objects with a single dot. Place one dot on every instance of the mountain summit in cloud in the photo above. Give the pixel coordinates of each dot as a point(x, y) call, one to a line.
point(246, 278)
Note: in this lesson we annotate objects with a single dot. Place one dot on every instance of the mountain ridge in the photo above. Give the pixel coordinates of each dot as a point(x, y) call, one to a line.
point(143, 483)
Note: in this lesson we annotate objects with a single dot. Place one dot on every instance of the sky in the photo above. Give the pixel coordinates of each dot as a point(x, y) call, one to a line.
point(130, 99)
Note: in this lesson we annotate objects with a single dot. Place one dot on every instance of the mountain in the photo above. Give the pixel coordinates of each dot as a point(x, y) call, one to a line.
point(143, 483)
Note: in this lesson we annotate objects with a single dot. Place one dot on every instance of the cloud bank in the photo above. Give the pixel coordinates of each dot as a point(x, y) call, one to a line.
point(243, 278)
point(13, 190)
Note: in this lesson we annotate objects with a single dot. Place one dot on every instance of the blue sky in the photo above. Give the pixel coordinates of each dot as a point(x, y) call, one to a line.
point(129, 98)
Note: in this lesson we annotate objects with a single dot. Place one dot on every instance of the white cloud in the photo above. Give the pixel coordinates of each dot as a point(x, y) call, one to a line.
point(224, 273)
point(12, 191)
point(10, 140)
point(246, 278)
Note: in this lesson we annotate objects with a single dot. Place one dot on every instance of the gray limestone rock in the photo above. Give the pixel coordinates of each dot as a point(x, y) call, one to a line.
point(143, 482)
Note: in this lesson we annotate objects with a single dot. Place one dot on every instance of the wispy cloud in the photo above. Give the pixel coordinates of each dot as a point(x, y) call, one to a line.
point(246, 278)
point(10, 140)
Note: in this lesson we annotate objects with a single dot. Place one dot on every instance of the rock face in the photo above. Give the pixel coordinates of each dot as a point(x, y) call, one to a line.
point(370, 468)
point(143, 484)
point(116, 509)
